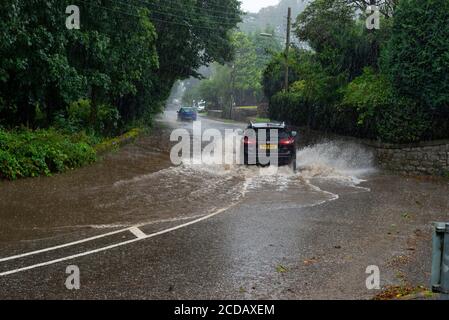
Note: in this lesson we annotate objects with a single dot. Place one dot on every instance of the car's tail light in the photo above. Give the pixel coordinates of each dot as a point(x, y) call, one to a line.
point(248, 140)
point(287, 142)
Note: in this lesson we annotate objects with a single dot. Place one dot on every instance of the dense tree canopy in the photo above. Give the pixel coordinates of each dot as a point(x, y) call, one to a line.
point(418, 53)
point(241, 78)
point(389, 84)
point(122, 62)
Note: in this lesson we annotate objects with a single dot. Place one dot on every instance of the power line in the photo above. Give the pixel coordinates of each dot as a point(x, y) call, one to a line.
point(156, 19)
point(109, 9)
point(176, 8)
point(213, 6)
point(190, 19)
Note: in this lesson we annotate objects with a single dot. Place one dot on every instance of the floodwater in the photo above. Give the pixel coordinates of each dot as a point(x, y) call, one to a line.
point(139, 185)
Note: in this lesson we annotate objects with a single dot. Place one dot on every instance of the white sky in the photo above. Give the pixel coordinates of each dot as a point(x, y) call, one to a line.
point(256, 5)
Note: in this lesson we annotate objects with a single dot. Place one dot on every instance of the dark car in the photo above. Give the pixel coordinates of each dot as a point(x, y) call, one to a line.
point(255, 146)
point(187, 114)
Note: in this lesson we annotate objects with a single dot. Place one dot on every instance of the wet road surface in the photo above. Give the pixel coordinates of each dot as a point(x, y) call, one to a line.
point(216, 231)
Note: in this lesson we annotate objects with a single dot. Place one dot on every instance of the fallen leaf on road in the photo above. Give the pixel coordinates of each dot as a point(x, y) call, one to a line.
point(281, 269)
point(310, 261)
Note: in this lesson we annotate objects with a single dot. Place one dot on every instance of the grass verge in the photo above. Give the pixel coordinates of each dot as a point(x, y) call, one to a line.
point(25, 153)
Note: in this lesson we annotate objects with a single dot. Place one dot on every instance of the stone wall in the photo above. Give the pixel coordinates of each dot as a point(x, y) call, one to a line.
point(425, 158)
point(429, 158)
point(215, 113)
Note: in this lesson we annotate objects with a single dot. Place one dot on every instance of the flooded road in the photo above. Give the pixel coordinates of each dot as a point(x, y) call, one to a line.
point(138, 185)
point(210, 231)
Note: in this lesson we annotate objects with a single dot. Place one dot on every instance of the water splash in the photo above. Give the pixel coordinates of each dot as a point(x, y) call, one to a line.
point(195, 189)
point(338, 160)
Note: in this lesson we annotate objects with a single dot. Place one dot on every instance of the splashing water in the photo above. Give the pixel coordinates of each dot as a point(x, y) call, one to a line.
point(198, 188)
point(344, 161)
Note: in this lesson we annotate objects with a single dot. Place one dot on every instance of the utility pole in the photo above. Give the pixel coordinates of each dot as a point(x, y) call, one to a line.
point(231, 108)
point(287, 48)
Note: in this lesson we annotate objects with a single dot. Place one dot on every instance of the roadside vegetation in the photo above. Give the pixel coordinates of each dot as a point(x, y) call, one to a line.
point(66, 93)
point(239, 82)
point(25, 153)
point(389, 84)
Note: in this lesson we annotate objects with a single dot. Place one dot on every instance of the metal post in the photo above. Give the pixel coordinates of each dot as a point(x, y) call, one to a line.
point(231, 109)
point(440, 258)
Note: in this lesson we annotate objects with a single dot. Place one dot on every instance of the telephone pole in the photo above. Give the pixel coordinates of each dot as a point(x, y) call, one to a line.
point(287, 48)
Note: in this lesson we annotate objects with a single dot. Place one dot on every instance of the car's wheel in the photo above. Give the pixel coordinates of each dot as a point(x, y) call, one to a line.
point(245, 159)
point(293, 164)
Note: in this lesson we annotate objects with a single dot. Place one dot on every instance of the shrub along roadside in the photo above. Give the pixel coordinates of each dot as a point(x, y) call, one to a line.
point(43, 152)
point(367, 107)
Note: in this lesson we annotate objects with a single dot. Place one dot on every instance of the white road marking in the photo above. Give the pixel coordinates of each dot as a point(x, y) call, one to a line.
point(137, 232)
point(63, 245)
point(104, 235)
point(82, 254)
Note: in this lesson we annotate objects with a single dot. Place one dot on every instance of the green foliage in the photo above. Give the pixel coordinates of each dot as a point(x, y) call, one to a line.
point(125, 57)
point(369, 108)
point(273, 79)
point(404, 121)
point(291, 106)
point(79, 113)
point(381, 113)
point(341, 87)
point(342, 44)
point(368, 94)
point(42, 152)
point(417, 58)
point(107, 120)
point(241, 78)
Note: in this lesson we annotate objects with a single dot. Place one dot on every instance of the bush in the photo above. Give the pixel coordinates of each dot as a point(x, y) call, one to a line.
point(365, 98)
point(403, 121)
point(381, 113)
point(370, 108)
point(417, 57)
point(79, 113)
point(289, 107)
point(77, 118)
point(107, 120)
point(43, 152)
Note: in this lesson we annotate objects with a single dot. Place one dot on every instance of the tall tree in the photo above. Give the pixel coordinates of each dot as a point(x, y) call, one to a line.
point(417, 58)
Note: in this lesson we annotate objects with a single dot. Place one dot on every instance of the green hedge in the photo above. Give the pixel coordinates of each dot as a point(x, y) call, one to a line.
point(369, 108)
point(42, 152)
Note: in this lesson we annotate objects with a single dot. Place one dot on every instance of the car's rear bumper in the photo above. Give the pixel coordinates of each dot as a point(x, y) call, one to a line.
point(188, 118)
point(282, 158)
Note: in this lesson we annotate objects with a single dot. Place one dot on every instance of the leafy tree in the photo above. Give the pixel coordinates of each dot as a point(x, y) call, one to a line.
point(126, 56)
point(240, 78)
point(341, 41)
point(417, 58)
point(274, 74)
point(33, 67)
